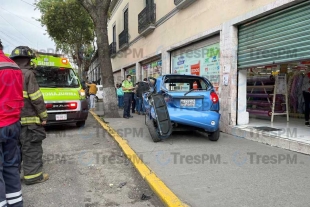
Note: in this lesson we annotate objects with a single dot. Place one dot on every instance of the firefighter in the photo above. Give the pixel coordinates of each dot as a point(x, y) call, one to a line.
point(33, 119)
point(11, 100)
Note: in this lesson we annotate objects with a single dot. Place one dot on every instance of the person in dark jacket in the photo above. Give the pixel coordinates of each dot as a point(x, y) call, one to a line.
point(143, 86)
point(33, 118)
point(11, 100)
point(134, 99)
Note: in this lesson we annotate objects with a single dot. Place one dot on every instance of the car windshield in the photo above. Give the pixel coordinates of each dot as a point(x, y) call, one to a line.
point(184, 84)
point(56, 77)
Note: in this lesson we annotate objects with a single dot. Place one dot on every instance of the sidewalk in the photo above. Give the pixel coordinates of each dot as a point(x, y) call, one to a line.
point(228, 177)
point(291, 135)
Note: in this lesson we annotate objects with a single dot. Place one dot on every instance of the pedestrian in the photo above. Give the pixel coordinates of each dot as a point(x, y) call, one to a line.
point(120, 96)
point(33, 119)
point(11, 90)
point(128, 88)
point(92, 94)
point(142, 88)
point(134, 99)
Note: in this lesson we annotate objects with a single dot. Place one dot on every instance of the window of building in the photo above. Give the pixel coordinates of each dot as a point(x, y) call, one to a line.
point(149, 2)
point(114, 33)
point(126, 20)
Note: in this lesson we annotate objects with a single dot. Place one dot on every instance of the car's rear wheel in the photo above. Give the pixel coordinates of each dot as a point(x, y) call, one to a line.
point(80, 123)
point(96, 99)
point(214, 136)
point(153, 130)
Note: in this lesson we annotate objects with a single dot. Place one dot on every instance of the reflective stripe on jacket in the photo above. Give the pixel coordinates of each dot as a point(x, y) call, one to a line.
point(34, 111)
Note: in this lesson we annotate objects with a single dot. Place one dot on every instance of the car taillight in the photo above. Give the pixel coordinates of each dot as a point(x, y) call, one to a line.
point(49, 106)
point(214, 97)
point(73, 105)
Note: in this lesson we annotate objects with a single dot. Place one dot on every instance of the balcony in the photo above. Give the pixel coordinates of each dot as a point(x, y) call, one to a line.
point(113, 49)
point(146, 20)
point(123, 39)
point(182, 4)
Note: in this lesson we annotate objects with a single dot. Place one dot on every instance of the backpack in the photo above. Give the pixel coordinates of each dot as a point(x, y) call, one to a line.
point(142, 88)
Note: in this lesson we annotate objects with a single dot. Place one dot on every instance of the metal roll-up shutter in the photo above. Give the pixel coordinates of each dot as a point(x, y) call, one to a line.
point(281, 37)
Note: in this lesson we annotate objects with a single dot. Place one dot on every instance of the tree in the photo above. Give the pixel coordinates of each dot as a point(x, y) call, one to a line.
point(71, 28)
point(99, 13)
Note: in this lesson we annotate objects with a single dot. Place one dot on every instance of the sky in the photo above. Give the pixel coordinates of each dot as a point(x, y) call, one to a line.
point(19, 28)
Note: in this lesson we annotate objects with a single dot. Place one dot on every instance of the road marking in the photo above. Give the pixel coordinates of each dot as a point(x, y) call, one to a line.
point(158, 186)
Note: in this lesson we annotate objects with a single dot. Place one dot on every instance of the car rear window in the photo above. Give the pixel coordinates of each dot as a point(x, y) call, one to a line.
point(185, 83)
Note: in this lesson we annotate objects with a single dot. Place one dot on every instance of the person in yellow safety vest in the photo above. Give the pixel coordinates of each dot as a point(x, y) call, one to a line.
point(33, 117)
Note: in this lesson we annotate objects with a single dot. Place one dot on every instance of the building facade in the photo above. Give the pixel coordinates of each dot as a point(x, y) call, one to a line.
point(214, 39)
point(94, 71)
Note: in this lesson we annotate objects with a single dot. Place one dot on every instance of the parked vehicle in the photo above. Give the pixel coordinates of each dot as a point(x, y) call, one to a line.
point(190, 102)
point(99, 93)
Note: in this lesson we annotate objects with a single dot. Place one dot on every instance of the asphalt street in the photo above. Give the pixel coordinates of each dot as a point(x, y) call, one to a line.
point(87, 169)
point(231, 172)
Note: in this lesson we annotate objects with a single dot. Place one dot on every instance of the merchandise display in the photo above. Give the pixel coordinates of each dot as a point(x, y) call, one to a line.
point(271, 92)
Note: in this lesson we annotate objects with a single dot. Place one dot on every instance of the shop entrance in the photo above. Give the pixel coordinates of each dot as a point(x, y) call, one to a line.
point(273, 68)
point(277, 100)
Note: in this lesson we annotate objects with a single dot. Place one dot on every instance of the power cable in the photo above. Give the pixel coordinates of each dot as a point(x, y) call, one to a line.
point(6, 41)
point(15, 40)
point(21, 18)
point(27, 3)
point(15, 28)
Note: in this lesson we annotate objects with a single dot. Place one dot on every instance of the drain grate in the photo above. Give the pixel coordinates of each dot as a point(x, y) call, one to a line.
point(267, 129)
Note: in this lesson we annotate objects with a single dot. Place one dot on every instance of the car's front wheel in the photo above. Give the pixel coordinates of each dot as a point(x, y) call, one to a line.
point(96, 99)
point(214, 136)
point(153, 130)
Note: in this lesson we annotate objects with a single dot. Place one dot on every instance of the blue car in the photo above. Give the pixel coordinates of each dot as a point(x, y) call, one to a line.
point(181, 102)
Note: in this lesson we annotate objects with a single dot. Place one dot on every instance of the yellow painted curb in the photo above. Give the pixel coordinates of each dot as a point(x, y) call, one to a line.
point(162, 191)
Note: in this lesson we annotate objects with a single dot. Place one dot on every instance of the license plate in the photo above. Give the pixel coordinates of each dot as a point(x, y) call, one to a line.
point(187, 102)
point(61, 117)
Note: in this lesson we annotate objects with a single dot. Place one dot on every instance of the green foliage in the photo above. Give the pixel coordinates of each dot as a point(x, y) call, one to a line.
point(68, 25)
point(66, 21)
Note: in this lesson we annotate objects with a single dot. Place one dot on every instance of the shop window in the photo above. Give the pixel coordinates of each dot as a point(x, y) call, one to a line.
point(153, 69)
point(131, 72)
point(203, 61)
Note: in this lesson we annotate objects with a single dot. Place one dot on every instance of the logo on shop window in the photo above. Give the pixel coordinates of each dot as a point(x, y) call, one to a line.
point(181, 60)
